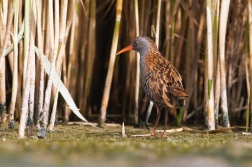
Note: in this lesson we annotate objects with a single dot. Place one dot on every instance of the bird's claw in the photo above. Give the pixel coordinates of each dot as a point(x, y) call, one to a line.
point(153, 133)
point(164, 135)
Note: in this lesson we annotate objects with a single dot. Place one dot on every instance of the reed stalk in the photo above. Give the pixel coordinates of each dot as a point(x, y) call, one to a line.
point(222, 38)
point(190, 48)
point(248, 75)
point(167, 28)
point(104, 103)
point(47, 16)
point(53, 115)
point(136, 110)
point(209, 62)
point(31, 104)
point(214, 8)
point(15, 111)
point(158, 23)
point(60, 63)
point(6, 17)
point(192, 86)
point(172, 59)
point(10, 57)
point(78, 43)
point(26, 37)
point(90, 55)
point(40, 47)
point(3, 106)
point(43, 120)
point(62, 34)
point(216, 64)
point(180, 42)
point(26, 72)
point(70, 21)
point(21, 57)
point(248, 89)
point(70, 25)
point(191, 64)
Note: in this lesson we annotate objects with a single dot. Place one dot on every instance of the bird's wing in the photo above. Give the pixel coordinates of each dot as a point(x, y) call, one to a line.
point(179, 92)
point(154, 88)
point(165, 85)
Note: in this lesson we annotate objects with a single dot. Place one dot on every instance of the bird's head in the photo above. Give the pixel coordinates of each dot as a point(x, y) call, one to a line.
point(140, 44)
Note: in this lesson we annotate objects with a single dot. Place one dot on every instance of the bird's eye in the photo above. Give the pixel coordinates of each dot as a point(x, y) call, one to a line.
point(136, 42)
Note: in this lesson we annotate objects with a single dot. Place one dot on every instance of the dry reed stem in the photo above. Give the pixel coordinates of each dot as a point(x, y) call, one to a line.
point(31, 104)
point(104, 103)
point(90, 54)
point(123, 130)
point(40, 47)
point(249, 85)
point(55, 54)
point(26, 74)
point(61, 49)
point(53, 115)
point(216, 62)
point(222, 38)
point(15, 64)
point(6, 18)
point(195, 73)
point(136, 110)
point(209, 78)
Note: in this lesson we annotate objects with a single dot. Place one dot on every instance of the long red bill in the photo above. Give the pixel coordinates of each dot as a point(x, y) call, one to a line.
point(130, 47)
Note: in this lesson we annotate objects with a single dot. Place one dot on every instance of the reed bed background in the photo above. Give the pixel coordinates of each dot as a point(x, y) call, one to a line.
point(209, 42)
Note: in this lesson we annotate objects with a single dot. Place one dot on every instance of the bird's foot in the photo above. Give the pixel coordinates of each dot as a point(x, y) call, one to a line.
point(154, 133)
point(164, 135)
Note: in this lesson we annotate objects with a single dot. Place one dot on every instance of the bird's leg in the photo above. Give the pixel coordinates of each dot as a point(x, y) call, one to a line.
point(166, 117)
point(147, 124)
point(153, 133)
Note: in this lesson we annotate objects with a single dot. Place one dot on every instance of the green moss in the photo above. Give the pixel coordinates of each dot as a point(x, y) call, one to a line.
point(78, 144)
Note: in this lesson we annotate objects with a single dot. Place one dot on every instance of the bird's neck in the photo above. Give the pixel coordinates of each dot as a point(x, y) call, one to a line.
point(143, 52)
point(149, 60)
point(144, 64)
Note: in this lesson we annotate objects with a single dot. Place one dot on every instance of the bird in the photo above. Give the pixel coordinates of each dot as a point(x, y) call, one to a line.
point(162, 83)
